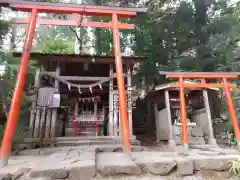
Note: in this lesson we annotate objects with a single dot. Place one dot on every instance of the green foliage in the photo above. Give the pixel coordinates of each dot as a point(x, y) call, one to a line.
point(56, 46)
point(234, 166)
point(4, 28)
point(189, 35)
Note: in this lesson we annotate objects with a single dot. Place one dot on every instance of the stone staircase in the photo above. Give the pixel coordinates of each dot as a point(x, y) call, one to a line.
point(80, 141)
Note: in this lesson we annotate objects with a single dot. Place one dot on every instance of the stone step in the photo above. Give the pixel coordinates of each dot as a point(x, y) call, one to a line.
point(92, 142)
point(81, 141)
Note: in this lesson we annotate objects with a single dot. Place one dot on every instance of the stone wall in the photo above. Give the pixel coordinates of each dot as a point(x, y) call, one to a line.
point(195, 135)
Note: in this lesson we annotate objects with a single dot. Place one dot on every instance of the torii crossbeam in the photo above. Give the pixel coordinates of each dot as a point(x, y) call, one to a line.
point(76, 11)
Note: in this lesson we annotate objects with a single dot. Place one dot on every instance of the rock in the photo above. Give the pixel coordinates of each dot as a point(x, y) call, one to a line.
point(214, 163)
point(82, 170)
point(176, 130)
point(197, 132)
point(20, 173)
point(177, 139)
point(116, 163)
point(209, 153)
point(185, 166)
point(155, 162)
point(163, 167)
point(33, 152)
point(5, 176)
point(192, 178)
point(198, 140)
point(51, 171)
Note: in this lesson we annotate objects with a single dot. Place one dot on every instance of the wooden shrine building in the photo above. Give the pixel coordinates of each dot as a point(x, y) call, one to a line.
point(88, 95)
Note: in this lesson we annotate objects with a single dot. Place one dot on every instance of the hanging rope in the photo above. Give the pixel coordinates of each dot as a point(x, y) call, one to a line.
point(70, 85)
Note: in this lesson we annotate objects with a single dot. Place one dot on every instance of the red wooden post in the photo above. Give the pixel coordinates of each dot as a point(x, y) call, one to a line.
point(183, 114)
point(16, 99)
point(121, 87)
point(232, 112)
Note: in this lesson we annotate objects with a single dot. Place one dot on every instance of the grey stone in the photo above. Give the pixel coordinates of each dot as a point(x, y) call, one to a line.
point(185, 166)
point(19, 173)
point(5, 176)
point(209, 153)
point(197, 132)
point(176, 130)
point(192, 178)
point(198, 140)
point(214, 163)
point(33, 152)
point(155, 162)
point(163, 167)
point(116, 163)
point(82, 170)
point(177, 140)
point(52, 171)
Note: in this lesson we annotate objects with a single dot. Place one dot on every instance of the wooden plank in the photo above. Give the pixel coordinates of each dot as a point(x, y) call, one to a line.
point(37, 124)
point(33, 108)
point(48, 124)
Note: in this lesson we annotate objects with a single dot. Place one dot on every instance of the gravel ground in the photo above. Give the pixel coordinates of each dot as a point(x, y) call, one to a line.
point(198, 176)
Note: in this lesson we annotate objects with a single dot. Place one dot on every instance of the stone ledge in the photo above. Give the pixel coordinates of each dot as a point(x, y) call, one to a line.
point(214, 163)
point(116, 163)
point(155, 162)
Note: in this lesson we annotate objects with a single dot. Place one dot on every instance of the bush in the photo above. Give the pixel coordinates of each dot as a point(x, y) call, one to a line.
point(234, 166)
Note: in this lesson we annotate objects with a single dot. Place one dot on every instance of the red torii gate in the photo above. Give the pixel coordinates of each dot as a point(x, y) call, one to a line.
point(202, 76)
point(75, 10)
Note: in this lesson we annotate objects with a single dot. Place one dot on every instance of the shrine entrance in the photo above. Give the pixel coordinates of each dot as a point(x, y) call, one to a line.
point(78, 17)
point(205, 80)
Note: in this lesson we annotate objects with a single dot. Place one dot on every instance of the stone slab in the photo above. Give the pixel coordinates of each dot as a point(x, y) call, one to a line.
point(5, 176)
point(155, 162)
point(197, 132)
point(185, 166)
point(192, 178)
point(116, 163)
point(81, 170)
point(20, 173)
point(117, 148)
point(214, 163)
point(51, 171)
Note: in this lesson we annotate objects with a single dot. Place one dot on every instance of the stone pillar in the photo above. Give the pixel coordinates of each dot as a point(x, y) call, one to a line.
point(110, 117)
point(129, 98)
point(169, 119)
point(157, 121)
point(54, 111)
point(34, 103)
point(211, 139)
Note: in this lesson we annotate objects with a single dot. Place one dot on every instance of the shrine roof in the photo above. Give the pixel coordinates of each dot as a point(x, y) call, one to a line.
point(44, 58)
point(158, 91)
